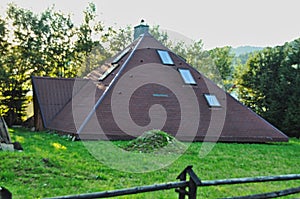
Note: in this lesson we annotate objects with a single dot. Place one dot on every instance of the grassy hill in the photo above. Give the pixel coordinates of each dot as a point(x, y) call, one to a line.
point(245, 49)
point(53, 165)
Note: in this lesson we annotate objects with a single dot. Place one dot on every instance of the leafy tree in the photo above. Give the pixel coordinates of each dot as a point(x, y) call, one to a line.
point(223, 58)
point(12, 90)
point(89, 50)
point(241, 59)
point(3, 51)
point(45, 42)
point(59, 45)
point(119, 40)
point(262, 70)
point(200, 59)
point(290, 83)
point(41, 45)
point(270, 86)
point(16, 67)
point(161, 36)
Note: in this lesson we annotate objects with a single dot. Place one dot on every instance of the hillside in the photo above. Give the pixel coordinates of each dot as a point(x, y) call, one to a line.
point(245, 49)
point(53, 165)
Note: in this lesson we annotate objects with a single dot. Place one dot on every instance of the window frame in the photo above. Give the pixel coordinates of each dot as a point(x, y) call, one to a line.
point(190, 80)
point(165, 57)
point(212, 100)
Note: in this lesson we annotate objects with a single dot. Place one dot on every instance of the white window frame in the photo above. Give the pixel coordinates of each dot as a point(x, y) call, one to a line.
point(212, 100)
point(187, 76)
point(165, 57)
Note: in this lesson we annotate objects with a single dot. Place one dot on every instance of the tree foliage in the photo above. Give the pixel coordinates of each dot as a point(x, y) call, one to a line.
point(271, 86)
point(223, 60)
point(119, 40)
point(90, 50)
point(47, 44)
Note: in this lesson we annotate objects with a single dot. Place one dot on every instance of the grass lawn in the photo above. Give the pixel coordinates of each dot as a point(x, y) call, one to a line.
point(52, 165)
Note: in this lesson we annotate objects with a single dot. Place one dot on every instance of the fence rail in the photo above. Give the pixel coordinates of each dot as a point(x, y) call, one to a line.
point(189, 187)
point(274, 194)
point(121, 192)
point(251, 180)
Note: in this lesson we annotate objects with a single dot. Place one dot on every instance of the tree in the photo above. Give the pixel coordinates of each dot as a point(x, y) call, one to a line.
point(39, 45)
point(201, 60)
point(290, 83)
point(46, 44)
point(223, 58)
point(270, 86)
point(16, 66)
point(161, 36)
point(3, 51)
point(60, 52)
point(119, 40)
point(90, 52)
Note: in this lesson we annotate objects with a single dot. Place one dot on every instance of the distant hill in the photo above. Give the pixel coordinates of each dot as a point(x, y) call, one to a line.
point(245, 49)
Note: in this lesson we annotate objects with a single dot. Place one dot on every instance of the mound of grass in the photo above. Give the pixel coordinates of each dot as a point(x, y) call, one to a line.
point(155, 141)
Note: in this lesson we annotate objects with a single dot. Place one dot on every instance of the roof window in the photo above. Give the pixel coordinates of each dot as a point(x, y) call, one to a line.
point(187, 76)
point(212, 100)
point(165, 57)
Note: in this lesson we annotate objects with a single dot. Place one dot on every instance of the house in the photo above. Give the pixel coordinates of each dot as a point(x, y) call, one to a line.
point(146, 86)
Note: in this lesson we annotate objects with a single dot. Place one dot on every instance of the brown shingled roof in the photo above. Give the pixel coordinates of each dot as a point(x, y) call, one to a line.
point(96, 110)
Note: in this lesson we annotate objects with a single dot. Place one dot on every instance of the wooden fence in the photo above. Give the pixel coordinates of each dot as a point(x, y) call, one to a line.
point(188, 187)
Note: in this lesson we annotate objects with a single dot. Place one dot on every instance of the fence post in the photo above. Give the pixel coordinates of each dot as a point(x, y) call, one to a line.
point(194, 181)
point(5, 193)
point(182, 177)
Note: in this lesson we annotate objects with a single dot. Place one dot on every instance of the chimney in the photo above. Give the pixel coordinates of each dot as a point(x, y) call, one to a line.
point(140, 29)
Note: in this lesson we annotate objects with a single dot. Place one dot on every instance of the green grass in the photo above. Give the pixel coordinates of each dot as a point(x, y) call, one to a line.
point(52, 165)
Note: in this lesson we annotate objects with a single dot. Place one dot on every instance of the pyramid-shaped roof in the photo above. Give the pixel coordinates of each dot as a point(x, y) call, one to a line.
point(147, 86)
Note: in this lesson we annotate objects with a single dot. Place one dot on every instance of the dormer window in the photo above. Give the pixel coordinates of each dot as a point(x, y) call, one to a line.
point(212, 100)
point(187, 76)
point(165, 57)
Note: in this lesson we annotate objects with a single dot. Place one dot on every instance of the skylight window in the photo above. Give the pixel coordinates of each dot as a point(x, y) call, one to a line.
point(187, 76)
point(212, 100)
point(165, 57)
point(120, 56)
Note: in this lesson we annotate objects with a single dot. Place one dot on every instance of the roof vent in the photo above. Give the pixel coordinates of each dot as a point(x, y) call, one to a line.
point(140, 29)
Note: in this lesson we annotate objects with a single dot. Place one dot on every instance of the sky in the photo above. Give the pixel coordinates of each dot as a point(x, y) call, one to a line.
point(217, 23)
